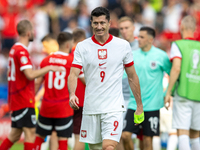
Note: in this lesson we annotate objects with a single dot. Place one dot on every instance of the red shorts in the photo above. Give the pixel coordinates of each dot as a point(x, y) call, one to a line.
point(77, 118)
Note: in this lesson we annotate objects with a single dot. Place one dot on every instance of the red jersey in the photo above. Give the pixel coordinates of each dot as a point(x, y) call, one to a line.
point(55, 103)
point(80, 89)
point(21, 92)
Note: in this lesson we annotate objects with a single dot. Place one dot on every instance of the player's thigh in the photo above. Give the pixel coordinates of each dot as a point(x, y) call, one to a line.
point(111, 126)
point(151, 124)
point(63, 127)
point(29, 134)
point(91, 129)
point(14, 134)
point(129, 125)
point(44, 126)
point(182, 114)
point(195, 122)
point(23, 118)
point(77, 117)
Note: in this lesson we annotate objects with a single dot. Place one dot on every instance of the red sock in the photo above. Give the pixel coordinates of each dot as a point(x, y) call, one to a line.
point(29, 146)
point(62, 145)
point(6, 144)
point(38, 142)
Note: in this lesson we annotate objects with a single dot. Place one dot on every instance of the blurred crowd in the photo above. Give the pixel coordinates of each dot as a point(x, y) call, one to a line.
point(53, 16)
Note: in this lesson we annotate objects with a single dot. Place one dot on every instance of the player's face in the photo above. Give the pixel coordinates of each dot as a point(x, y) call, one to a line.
point(126, 29)
point(144, 39)
point(100, 25)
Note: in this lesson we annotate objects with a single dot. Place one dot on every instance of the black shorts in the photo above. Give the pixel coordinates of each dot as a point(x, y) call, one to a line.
point(150, 126)
point(63, 126)
point(77, 118)
point(23, 118)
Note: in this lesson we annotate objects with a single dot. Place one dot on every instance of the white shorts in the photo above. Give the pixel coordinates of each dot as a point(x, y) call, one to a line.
point(186, 114)
point(95, 128)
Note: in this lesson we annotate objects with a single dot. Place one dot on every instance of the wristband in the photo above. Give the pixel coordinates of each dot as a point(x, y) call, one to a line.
point(139, 118)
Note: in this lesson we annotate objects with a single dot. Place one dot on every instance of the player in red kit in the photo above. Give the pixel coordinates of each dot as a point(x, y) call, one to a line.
point(56, 113)
point(21, 89)
point(78, 36)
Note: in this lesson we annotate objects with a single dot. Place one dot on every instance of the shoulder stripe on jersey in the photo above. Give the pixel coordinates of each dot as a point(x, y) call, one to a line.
point(175, 57)
point(77, 66)
point(25, 67)
point(129, 64)
point(108, 40)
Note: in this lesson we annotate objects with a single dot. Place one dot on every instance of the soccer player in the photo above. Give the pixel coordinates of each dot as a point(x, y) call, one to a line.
point(126, 28)
point(21, 89)
point(150, 65)
point(185, 56)
point(103, 58)
point(78, 36)
point(55, 112)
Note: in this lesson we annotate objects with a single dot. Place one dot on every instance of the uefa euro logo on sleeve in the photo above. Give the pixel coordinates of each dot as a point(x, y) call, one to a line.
point(102, 53)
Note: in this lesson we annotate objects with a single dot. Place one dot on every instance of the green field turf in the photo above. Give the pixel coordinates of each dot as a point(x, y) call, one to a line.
point(17, 146)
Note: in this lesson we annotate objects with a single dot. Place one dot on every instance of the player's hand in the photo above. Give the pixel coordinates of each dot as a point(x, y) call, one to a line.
point(168, 101)
point(73, 102)
point(56, 68)
point(138, 116)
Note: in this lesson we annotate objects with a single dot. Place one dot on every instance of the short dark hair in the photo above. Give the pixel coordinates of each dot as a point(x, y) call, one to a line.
point(114, 31)
point(150, 31)
point(48, 37)
point(78, 34)
point(64, 37)
point(23, 26)
point(100, 11)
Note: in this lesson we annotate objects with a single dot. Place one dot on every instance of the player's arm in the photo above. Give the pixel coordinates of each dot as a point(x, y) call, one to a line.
point(32, 74)
point(174, 74)
point(38, 83)
point(135, 88)
point(72, 84)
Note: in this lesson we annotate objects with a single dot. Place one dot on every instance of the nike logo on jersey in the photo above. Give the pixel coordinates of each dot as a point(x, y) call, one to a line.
point(102, 64)
point(113, 134)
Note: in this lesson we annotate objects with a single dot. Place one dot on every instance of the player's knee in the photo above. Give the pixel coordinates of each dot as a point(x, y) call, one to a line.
point(14, 137)
point(97, 146)
point(109, 147)
point(126, 136)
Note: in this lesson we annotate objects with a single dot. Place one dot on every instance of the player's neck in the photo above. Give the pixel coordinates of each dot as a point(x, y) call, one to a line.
point(102, 39)
point(23, 41)
point(131, 39)
point(188, 34)
point(64, 50)
point(146, 48)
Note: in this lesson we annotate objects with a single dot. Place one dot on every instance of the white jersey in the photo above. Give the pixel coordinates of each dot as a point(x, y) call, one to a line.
point(103, 69)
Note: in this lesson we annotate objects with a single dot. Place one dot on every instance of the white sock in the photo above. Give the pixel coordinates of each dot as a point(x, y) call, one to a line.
point(184, 142)
point(172, 142)
point(195, 144)
point(156, 143)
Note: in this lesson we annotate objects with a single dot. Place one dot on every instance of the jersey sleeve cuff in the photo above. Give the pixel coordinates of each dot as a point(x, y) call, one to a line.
point(25, 67)
point(129, 64)
point(77, 66)
point(171, 59)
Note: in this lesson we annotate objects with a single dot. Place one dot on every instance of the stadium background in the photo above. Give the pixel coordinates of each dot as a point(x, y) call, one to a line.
point(53, 16)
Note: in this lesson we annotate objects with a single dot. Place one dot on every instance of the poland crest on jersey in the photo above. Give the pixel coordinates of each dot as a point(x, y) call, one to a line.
point(102, 53)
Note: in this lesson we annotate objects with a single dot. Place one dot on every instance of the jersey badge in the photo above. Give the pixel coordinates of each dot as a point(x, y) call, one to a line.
point(24, 60)
point(83, 133)
point(153, 64)
point(102, 53)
